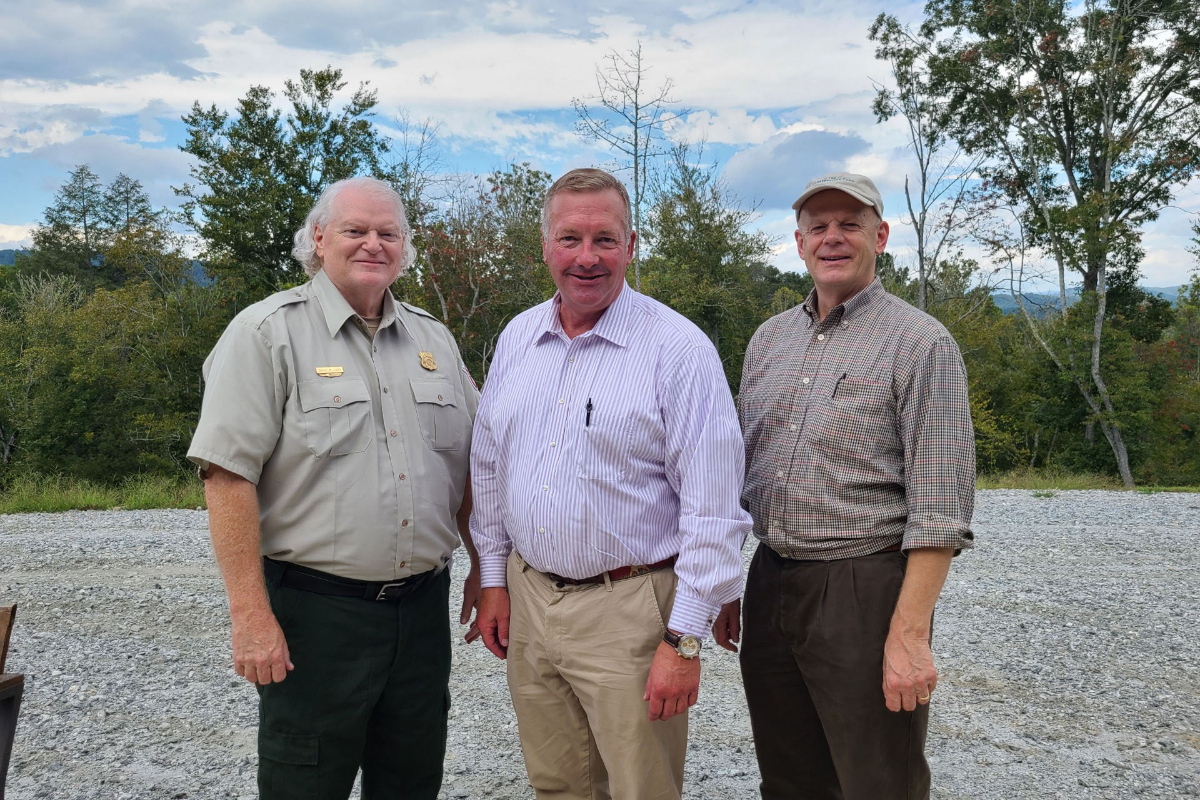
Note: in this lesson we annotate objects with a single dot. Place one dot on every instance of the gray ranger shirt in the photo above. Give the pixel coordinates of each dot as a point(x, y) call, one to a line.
point(358, 447)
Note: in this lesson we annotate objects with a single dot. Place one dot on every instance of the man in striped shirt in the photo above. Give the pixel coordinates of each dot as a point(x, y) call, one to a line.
point(606, 464)
point(860, 477)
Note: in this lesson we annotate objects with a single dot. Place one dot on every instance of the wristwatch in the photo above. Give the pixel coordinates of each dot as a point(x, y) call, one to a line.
point(687, 646)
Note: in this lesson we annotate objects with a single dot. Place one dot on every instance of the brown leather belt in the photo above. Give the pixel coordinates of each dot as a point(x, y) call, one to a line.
point(618, 574)
point(891, 549)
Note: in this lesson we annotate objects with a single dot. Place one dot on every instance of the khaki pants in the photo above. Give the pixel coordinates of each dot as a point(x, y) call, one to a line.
point(578, 659)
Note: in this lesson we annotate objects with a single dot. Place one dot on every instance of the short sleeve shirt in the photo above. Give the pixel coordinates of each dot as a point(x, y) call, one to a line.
point(358, 446)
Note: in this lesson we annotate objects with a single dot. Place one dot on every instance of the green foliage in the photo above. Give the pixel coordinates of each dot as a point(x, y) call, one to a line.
point(258, 172)
point(84, 222)
point(481, 261)
point(705, 265)
point(1088, 115)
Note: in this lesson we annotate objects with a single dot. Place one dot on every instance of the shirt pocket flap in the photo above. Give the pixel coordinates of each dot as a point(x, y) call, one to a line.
point(438, 392)
point(331, 393)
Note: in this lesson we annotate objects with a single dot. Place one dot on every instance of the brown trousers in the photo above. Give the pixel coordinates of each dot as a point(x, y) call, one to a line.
point(812, 665)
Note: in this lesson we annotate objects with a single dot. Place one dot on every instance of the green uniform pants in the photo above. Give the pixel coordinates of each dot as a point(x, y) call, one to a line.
point(369, 690)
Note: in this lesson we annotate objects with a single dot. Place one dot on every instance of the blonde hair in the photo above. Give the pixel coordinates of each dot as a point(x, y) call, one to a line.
point(586, 179)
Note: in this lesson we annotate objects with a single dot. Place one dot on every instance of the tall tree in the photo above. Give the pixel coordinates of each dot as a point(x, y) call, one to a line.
point(629, 116)
point(126, 205)
point(258, 171)
point(73, 236)
point(936, 204)
point(1089, 118)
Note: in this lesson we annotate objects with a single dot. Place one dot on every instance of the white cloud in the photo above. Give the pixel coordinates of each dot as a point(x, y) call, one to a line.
point(15, 237)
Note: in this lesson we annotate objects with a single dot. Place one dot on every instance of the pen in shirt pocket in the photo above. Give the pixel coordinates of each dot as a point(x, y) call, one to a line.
point(838, 383)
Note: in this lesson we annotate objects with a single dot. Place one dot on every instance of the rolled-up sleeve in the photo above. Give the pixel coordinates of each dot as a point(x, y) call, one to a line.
point(939, 450)
point(705, 461)
point(241, 414)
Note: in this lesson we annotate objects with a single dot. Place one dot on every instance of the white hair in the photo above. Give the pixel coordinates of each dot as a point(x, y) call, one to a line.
point(304, 245)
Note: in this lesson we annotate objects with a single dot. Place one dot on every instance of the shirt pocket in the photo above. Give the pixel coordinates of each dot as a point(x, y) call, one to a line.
point(442, 424)
point(337, 415)
point(859, 422)
point(604, 446)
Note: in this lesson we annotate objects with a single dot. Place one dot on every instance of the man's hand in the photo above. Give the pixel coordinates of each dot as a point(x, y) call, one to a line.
point(727, 630)
point(470, 602)
point(260, 652)
point(909, 676)
point(492, 620)
point(673, 685)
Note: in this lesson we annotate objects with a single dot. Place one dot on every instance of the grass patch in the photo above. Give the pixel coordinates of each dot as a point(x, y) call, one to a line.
point(1052, 480)
point(1044, 480)
point(55, 493)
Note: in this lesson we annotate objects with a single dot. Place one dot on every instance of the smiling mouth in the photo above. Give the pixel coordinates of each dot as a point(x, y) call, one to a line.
point(587, 278)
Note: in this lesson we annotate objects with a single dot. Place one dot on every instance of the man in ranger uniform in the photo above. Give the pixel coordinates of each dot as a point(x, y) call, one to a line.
point(333, 440)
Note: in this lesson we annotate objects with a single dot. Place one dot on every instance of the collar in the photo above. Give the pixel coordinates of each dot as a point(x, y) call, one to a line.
point(337, 310)
point(848, 309)
point(614, 325)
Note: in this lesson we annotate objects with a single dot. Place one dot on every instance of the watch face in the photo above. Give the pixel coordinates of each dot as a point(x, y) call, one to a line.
point(689, 646)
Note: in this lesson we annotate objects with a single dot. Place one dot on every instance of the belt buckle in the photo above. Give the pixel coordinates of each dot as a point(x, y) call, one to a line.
point(383, 590)
point(639, 569)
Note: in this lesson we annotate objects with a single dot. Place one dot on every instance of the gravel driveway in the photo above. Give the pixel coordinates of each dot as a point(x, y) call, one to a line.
point(1068, 641)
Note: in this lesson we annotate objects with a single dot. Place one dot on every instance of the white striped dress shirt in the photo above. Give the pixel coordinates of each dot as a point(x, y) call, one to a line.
point(653, 470)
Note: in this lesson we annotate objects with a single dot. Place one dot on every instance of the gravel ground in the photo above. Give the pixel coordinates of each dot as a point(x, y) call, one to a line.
point(1068, 640)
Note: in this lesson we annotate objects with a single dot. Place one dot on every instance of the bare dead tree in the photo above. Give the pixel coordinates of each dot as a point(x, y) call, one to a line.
point(629, 116)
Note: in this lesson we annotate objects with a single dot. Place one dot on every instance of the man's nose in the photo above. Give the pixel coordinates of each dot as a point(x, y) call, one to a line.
point(372, 243)
point(588, 257)
point(834, 233)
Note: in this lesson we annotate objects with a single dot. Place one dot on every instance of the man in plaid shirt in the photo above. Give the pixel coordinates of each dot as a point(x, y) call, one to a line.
point(860, 476)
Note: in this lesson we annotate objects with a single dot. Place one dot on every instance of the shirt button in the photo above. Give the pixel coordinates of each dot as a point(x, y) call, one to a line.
point(571, 359)
point(337, 399)
point(541, 530)
point(385, 390)
point(392, 432)
point(560, 401)
point(401, 565)
point(403, 523)
point(552, 444)
point(545, 488)
point(778, 474)
point(793, 427)
point(439, 398)
point(402, 476)
point(820, 337)
point(804, 381)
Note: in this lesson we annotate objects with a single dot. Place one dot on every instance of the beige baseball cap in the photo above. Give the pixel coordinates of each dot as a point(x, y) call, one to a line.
point(860, 187)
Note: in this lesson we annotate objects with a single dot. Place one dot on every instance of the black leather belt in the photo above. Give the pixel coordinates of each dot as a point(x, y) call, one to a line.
point(310, 580)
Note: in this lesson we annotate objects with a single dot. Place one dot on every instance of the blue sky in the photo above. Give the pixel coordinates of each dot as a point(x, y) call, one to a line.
point(778, 92)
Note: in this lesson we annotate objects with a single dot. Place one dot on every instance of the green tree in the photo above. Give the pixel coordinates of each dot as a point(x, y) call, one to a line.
point(480, 260)
point(1088, 120)
point(258, 172)
point(705, 264)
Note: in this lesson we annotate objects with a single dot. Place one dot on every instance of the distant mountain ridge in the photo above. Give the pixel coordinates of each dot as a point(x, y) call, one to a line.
point(1005, 302)
point(9, 257)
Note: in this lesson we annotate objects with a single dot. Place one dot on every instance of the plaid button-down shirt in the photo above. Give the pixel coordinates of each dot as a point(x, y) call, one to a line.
point(858, 431)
